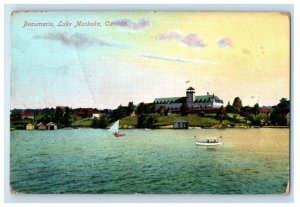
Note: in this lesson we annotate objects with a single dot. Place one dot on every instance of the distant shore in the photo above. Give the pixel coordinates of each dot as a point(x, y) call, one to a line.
point(209, 121)
point(171, 127)
point(212, 127)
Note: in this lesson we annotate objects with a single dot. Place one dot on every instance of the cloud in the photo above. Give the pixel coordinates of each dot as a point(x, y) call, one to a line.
point(191, 39)
point(171, 35)
point(77, 40)
point(224, 42)
point(175, 59)
point(140, 24)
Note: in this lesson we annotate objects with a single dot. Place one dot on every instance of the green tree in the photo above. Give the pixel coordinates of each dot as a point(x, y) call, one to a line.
point(141, 108)
point(145, 108)
point(130, 108)
point(103, 122)
point(66, 120)
point(146, 121)
point(184, 109)
point(15, 114)
point(283, 106)
point(95, 123)
point(221, 114)
point(256, 109)
point(229, 108)
point(246, 111)
point(119, 113)
point(47, 115)
point(255, 121)
point(58, 116)
point(279, 114)
point(237, 105)
point(278, 119)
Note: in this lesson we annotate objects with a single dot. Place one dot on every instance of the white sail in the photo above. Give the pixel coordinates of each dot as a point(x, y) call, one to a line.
point(115, 127)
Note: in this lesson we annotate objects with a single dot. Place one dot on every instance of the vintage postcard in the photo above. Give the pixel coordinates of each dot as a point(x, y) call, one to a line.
point(150, 102)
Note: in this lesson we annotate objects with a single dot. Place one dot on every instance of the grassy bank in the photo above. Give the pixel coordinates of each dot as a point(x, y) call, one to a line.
point(83, 123)
point(193, 119)
point(163, 122)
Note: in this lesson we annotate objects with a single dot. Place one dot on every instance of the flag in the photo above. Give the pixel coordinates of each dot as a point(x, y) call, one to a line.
point(187, 81)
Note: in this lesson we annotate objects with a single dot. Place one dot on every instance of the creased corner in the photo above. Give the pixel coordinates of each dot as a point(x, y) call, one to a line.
point(287, 190)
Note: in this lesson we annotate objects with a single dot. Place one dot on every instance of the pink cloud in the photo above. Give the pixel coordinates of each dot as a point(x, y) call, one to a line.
point(193, 40)
point(224, 42)
point(190, 39)
point(76, 40)
point(172, 35)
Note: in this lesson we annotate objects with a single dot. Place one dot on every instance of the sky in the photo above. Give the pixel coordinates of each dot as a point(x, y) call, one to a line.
point(153, 55)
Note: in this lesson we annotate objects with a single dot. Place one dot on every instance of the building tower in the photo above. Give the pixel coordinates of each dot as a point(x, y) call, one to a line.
point(190, 96)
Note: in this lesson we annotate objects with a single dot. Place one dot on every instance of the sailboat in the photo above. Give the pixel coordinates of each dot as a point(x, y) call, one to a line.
point(115, 129)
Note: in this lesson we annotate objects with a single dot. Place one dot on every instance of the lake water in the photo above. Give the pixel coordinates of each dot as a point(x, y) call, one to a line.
point(251, 161)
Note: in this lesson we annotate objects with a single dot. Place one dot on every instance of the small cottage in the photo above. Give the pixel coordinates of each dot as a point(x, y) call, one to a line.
point(96, 115)
point(51, 126)
point(41, 126)
point(29, 126)
point(180, 124)
point(264, 110)
point(26, 115)
point(87, 113)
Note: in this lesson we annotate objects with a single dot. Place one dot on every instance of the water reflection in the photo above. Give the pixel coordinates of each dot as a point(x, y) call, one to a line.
point(212, 148)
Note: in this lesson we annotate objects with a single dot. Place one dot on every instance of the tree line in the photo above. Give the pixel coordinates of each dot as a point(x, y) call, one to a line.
point(277, 115)
point(147, 115)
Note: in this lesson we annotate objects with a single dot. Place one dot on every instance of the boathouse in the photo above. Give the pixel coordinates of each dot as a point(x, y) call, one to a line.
point(51, 126)
point(29, 126)
point(41, 126)
point(180, 124)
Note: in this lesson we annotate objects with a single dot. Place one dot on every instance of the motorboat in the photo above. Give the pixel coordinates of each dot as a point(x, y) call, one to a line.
point(209, 142)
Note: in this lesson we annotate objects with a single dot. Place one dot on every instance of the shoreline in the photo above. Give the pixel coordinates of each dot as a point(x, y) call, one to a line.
point(171, 127)
point(212, 127)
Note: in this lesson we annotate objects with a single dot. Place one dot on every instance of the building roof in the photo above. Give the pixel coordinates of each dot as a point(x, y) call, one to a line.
point(206, 98)
point(26, 114)
point(190, 88)
point(264, 110)
point(84, 111)
point(51, 124)
point(198, 99)
point(169, 100)
point(41, 123)
point(61, 107)
point(180, 121)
